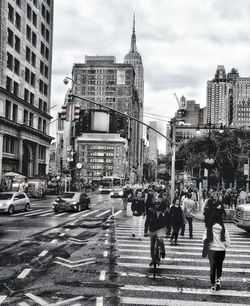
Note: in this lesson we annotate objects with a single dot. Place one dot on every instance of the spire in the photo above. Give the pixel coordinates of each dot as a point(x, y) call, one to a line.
point(133, 38)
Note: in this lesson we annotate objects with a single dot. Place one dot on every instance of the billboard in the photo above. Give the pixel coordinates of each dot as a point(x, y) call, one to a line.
point(100, 121)
point(120, 77)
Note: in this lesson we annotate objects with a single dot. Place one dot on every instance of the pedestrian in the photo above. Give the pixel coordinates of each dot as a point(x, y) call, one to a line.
point(189, 210)
point(156, 220)
point(149, 201)
point(138, 210)
point(176, 221)
point(242, 197)
point(208, 209)
point(218, 239)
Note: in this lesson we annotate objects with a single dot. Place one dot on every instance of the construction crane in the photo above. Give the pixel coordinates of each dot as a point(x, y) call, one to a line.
point(181, 104)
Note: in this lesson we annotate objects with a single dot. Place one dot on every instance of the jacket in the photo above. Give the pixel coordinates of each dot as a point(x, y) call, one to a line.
point(216, 244)
point(138, 207)
point(176, 216)
point(188, 208)
point(156, 220)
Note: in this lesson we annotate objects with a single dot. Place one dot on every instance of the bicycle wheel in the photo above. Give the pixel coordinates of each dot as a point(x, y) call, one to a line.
point(156, 255)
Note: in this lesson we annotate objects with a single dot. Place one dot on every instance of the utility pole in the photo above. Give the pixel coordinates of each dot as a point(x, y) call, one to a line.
point(173, 160)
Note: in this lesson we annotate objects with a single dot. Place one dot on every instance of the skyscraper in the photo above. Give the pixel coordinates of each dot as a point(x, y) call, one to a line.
point(26, 32)
point(134, 58)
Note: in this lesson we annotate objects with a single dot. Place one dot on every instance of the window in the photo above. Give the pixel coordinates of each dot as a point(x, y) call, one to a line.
point(16, 66)
point(17, 44)
point(16, 89)
point(47, 35)
point(48, 2)
point(39, 124)
point(33, 79)
point(28, 52)
point(10, 13)
point(34, 19)
point(46, 71)
point(33, 60)
point(7, 109)
point(41, 67)
point(14, 112)
point(41, 86)
point(8, 84)
point(26, 95)
point(9, 144)
point(42, 49)
point(48, 17)
point(25, 117)
point(43, 29)
point(28, 33)
point(35, 3)
point(41, 154)
point(9, 61)
point(43, 11)
point(45, 89)
point(32, 98)
point(44, 126)
point(10, 37)
point(45, 107)
point(28, 12)
point(18, 2)
point(27, 75)
point(47, 53)
point(31, 120)
point(34, 39)
point(40, 104)
point(18, 21)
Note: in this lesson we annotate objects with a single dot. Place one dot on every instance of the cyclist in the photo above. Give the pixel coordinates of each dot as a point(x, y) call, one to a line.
point(157, 221)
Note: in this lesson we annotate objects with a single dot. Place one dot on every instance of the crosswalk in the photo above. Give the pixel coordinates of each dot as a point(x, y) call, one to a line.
point(183, 276)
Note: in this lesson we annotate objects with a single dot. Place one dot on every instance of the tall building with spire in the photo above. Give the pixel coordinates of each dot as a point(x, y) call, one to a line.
point(134, 58)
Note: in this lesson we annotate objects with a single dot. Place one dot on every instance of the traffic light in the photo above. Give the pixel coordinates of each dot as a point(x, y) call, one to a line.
point(64, 112)
point(69, 97)
point(77, 110)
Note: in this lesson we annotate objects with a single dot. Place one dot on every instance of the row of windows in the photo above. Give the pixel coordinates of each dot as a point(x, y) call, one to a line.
point(13, 63)
point(100, 154)
point(44, 51)
point(45, 32)
point(14, 17)
point(31, 15)
point(9, 144)
point(45, 13)
point(31, 36)
point(43, 87)
point(30, 57)
point(12, 86)
point(30, 77)
point(29, 97)
point(11, 113)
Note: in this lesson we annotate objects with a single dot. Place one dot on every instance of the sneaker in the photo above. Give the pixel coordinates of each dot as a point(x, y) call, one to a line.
point(133, 235)
point(151, 263)
point(213, 289)
point(218, 284)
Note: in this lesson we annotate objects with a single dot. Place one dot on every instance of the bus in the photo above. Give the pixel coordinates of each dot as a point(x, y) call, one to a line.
point(108, 183)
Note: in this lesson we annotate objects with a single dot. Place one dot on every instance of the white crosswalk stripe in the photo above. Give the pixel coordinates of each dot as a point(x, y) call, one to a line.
point(183, 275)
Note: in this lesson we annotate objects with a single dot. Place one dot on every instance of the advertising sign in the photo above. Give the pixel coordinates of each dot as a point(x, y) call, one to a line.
point(100, 121)
point(120, 77)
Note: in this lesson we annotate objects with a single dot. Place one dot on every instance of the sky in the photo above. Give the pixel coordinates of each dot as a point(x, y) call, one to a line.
point(181, 43)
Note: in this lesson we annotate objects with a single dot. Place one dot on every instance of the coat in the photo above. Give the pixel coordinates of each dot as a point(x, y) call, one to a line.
point(176, 216)
point(138, 207)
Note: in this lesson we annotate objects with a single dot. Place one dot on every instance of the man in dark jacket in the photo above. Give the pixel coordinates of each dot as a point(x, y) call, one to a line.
point(138, 209)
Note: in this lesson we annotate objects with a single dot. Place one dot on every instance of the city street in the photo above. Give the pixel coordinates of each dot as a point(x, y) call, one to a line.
point(89, 258)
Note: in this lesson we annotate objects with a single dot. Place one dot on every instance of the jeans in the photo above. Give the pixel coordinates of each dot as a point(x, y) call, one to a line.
point(190, 225)
point(175, 232)
point(137, 225)
point(216, 261)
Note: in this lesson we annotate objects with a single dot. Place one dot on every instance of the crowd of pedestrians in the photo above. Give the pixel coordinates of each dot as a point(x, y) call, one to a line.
point(166, 220)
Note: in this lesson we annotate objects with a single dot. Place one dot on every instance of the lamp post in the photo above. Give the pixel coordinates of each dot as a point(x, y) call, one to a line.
point(247, 185)
point(66, 81)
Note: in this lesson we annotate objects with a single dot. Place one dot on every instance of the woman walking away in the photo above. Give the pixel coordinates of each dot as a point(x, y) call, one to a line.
point(219, 240)
point(176, 220)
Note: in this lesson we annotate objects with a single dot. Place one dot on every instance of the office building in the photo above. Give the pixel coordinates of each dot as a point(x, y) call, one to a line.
point(26, 35)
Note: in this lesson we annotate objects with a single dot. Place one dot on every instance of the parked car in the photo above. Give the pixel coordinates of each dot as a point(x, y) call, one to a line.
point(242, 216)
point(11, 202)
point(116, 193)
point(72, 201)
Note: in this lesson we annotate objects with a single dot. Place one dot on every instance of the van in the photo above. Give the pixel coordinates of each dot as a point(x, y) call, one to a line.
point(242, 216)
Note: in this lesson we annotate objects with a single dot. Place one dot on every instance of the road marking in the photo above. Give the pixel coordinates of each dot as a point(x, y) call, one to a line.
point(61, 214)
point(174, 267)
point(37, 299)
point(164, 302)
point(2, 298)
point(105, 254)
point(184, 290)
point(99, 301)
point(53, 241)
point(77, 261)
point(102, 275)
point(26, 213)
point(103, 213)
point(23, 304)
point(43, 253)
point(34, 214)
point(73, 266)
point(11, 230)
point(50, 213)
point(117, 213)
point(67, 229)
point(62, 234)
point(24, 273)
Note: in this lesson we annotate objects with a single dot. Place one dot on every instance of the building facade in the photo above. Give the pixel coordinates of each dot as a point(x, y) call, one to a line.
point(26, 34)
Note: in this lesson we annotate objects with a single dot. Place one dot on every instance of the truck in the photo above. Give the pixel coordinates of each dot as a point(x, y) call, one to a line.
point(242, 216)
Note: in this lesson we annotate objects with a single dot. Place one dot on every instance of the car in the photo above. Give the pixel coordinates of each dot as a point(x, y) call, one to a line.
point(11, 202)
point(242, 216)
point(72, 201)
point(116, 193)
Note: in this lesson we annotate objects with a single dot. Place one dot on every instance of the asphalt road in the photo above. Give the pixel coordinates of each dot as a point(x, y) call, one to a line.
point(89, 258)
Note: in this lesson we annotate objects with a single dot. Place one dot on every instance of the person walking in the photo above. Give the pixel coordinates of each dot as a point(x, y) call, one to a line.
point(218, 239)
point(138, 210)
point(148, 200)
point(188, 210)
point(176, 221)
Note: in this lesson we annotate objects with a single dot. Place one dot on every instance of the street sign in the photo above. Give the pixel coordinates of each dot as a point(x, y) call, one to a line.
point(246, 169)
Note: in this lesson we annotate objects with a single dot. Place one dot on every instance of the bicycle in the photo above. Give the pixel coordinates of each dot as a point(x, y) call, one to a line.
point(157, 255)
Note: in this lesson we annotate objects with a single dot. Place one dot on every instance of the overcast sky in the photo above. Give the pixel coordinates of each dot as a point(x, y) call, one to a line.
point(181, 43)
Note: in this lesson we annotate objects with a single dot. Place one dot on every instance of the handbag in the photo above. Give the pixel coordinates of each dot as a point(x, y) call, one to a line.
point(205, 248)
